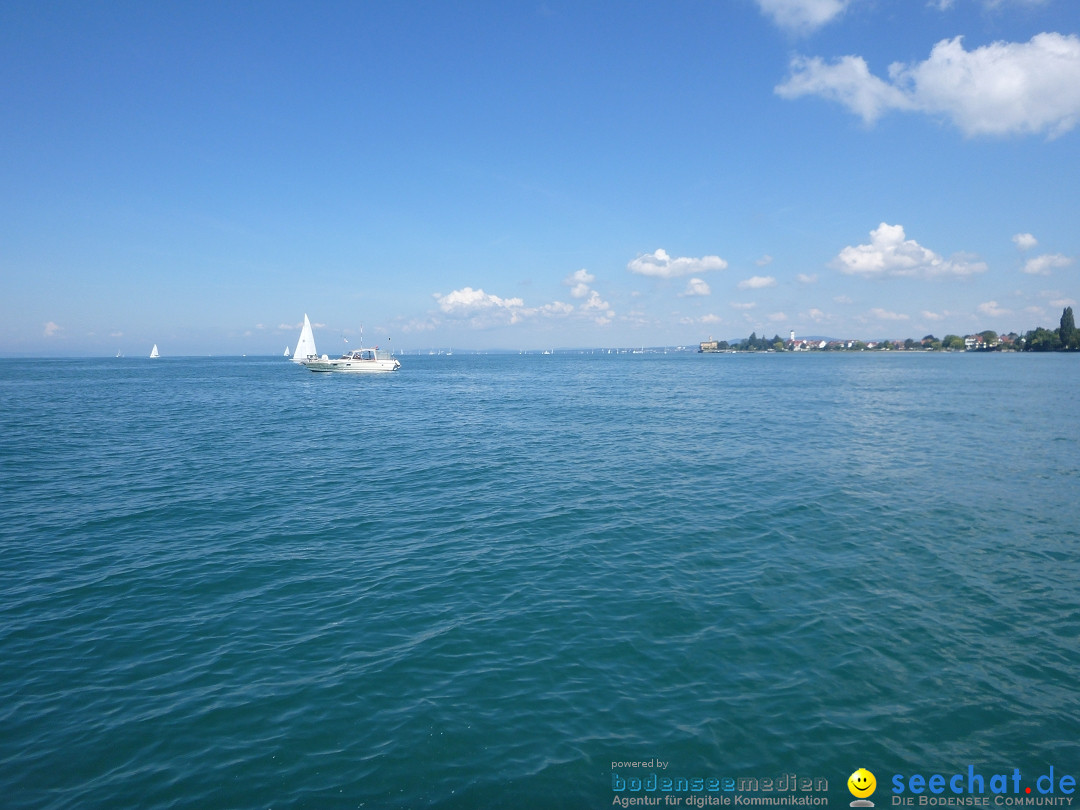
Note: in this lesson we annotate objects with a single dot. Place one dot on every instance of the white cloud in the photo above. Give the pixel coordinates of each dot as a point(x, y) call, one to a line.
point(580, 290)
point(848, 81)
point(696, 286)
point(1063, 302)
point(946, 5)
point(594, 306)
point(843, 299)
point(468, 301)
point(802, 16)
point(483, 310)
point(661, 265)
point(1025, 241)
point(711, 319)
point(932, 316)
point(804, 278)
point(992, 4)
point(744, 307)
point(1002, 88)
point(777, 317)
point(891, 255)
point(579, 283)
point(757, 283)
point(418, 325)
point(885, 315)
point(52, 329)
point(554, 309)
point(817, 316)
point(764, 260)
point(596, 303)
point(991, 308)
point(1042, 265)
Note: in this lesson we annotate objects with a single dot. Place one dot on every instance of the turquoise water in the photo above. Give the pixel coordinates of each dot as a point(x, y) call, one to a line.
point(481, 581)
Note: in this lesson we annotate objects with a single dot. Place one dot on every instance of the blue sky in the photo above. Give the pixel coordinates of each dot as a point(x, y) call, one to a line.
point(535, 174)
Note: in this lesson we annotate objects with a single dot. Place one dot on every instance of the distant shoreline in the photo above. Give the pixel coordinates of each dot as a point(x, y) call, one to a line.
point(1066, 338)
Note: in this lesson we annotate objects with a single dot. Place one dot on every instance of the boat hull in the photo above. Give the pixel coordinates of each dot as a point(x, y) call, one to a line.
point(379, 366)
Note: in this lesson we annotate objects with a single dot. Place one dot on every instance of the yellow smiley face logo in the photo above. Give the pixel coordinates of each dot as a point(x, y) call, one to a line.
point(861, 783)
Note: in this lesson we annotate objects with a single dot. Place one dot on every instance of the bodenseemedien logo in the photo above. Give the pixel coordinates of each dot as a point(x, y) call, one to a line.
point(862, 785)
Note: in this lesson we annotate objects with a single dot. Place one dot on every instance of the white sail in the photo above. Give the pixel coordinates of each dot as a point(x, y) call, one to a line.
point(305, 347)
point(153, 351)
point(286, 351)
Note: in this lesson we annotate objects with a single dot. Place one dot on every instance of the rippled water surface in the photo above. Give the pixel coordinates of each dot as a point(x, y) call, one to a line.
point(480, 581)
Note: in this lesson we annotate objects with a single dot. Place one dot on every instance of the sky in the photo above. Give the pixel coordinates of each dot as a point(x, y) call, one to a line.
point(531, 175)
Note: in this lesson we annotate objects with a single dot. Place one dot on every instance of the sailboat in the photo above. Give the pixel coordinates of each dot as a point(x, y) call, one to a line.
point(286, 351)
point(154, 352)
point(305, 347)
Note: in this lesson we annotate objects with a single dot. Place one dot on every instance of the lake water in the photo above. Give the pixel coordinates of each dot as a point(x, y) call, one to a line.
point(493, 581)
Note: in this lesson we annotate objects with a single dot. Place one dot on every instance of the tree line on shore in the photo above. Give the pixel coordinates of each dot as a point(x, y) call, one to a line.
point(1065, 338)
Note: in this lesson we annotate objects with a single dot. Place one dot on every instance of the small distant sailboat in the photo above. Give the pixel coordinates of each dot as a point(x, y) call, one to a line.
point(286, 351)
point(305, 347)
point(154, 352)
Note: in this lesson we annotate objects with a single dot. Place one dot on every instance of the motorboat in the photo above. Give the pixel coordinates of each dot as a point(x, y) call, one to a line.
point(357, 361)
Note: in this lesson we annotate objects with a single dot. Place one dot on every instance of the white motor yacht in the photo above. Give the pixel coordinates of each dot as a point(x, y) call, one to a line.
point(358, 361)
